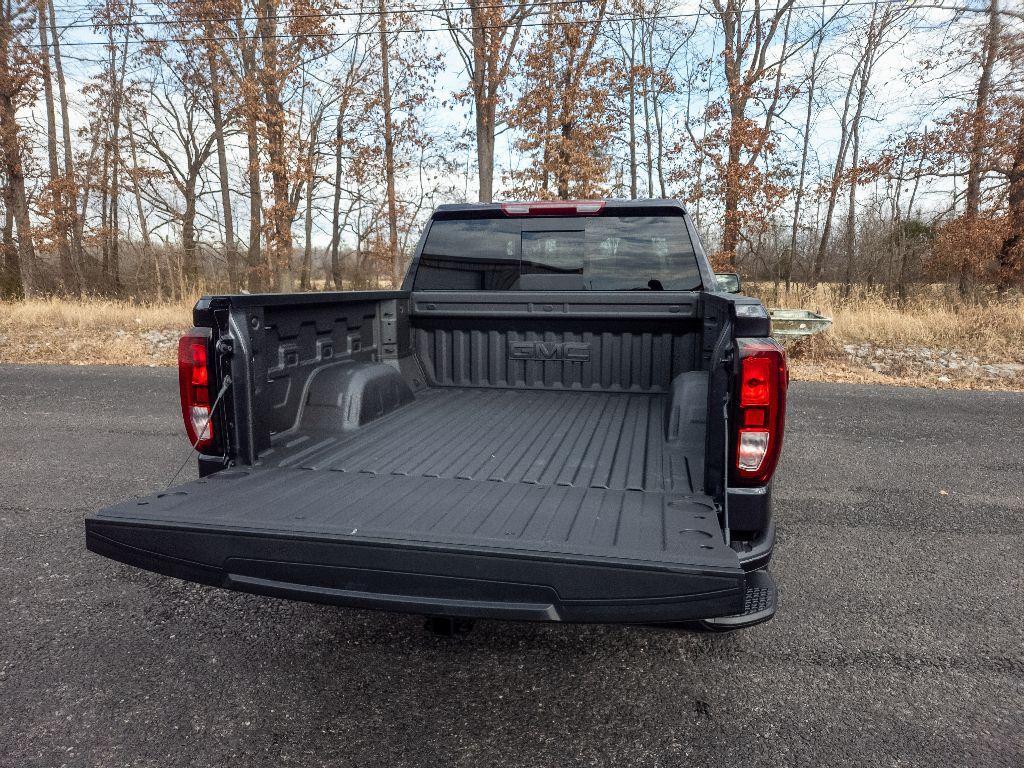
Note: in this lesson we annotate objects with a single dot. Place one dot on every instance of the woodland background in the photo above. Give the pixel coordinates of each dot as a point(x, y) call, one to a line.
point(151, 149)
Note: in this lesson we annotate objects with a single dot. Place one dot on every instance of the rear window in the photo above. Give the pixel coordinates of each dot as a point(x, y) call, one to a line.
point(601, 253)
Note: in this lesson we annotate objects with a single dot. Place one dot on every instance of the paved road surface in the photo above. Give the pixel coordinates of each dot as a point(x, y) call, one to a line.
point(899, 641)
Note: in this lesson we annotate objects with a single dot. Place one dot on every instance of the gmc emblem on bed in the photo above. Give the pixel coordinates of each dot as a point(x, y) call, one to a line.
point(573, 351)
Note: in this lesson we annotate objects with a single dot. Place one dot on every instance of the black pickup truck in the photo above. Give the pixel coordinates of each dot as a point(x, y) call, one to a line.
point(559, 417)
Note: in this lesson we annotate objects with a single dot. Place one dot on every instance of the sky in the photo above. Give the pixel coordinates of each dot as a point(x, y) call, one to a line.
point(897, 103)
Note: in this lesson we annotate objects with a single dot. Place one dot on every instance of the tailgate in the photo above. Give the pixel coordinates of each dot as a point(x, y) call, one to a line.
point(435, 545)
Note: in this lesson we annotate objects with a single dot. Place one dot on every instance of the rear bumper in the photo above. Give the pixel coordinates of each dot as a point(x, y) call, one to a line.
point(758, 605)
point(471, 584)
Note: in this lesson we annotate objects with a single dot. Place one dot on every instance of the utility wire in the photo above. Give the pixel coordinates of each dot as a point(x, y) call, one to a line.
point(320, 14)
point(422, 30)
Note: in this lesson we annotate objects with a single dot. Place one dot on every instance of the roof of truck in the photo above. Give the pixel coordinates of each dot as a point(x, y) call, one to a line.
point(609, 204)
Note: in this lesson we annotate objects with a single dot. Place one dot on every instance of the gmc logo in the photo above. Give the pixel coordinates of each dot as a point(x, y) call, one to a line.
point(571, 351)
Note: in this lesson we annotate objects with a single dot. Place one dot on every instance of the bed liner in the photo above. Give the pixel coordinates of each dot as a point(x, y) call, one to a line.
point(507, 503)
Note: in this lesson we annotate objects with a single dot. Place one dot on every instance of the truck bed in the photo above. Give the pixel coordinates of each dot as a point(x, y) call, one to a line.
point(503, 502)
point(540, 437)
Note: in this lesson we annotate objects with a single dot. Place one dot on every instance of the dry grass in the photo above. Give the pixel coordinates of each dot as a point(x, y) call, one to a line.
point(92, 314)
point(95, 331)
point(91, 331)
point(992, 330)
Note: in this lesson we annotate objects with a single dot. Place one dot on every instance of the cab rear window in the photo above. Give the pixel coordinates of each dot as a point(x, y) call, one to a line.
point(600, 253)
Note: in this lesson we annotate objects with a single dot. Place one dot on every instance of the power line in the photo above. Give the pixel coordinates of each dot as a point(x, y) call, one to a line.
point(320, 14)
point(440, 8)
point(422, 30)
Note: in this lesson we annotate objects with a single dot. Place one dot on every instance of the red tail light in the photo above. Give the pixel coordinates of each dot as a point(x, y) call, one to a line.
point(194, 385)
point(554, 208)
point(761, 411)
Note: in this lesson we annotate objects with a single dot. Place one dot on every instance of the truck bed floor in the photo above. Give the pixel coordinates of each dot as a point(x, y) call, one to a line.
point(550, 438)
point(582, 485)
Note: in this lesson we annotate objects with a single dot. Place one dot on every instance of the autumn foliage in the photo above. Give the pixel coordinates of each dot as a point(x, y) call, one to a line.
point(299, 144)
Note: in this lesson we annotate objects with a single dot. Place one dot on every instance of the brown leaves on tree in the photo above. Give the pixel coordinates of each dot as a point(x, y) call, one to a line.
point(211, 128)
point(564, 114)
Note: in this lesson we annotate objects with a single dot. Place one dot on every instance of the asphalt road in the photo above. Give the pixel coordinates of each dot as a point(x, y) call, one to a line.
point(899, 640)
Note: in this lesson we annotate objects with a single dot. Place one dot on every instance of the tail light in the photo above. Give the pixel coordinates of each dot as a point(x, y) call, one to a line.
point(194, 385)
point(761, 411)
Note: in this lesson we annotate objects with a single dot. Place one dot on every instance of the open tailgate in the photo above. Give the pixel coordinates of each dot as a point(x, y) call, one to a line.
point(433, 545)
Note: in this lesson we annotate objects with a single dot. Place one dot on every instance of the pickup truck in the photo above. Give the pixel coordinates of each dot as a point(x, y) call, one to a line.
point(559, 417)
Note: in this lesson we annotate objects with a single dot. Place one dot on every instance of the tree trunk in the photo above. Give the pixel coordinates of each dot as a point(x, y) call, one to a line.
point(305, 275)
point(190, 260)
point(633, 191)
point(731, 212)
point(566, 120)
point(488, 67)
point(562, 173)
point(389, 145)
point(746, 45)
point(70, 181)
point(275, 121)
point(659, 127)
point(812, 84)
point(86, 261)
point(147, 248)
point(737, 99)
point(645, 95)
point(10, 270)
point(546, 139)
point(256, 278)
point(255, 268)
point(904, 251)
point(978, 133)
point(20, 272)
point(851, 218)
point(68, 274)
point(104, 222)
point(874, 37)
point(980, 112)
point(339, 141)
point(312, 163)
point(485, 151)
point(483, 107)
point(1011, 253)
point(230, 244)
point(117, 72)
point(835, 182)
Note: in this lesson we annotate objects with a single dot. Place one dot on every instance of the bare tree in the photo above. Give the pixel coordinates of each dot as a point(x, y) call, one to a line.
point(68, 272)
point(256, 271)
point(1011, 250)
point(16, 74)
point(750, 33)
point(387, 107)
point(979, 116)
point(70, 185)
point(883, 20)
point(174, 139)
point(308, 182)
point(811, 89)
point(487, 46)
point(220, 128)
point(347, 88)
